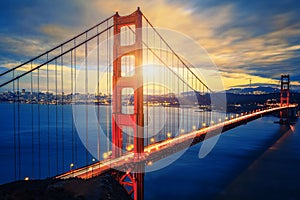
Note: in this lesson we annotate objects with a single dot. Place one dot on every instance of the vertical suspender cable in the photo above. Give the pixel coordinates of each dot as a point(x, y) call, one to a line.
point(98, 96)
point(32, 125)
point(153, 78)
point(202, 104)
point(178, 113)
point(39, 122)
point(72, 95)
point(19, 136)
point(15, 132)
point(185, 100)
point(159, 77)
point(110, 83)
point(147, 105)
point(86, 103)
point(107, 87)
point(165, 96)
point(62, 108)
point(207, 110)
point(173, 91)
point(48, 117)
point(56, 116)
point(75, 90)
point(189, 119)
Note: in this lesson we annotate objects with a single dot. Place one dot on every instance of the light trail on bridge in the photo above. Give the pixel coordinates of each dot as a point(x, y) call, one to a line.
point(111, 163)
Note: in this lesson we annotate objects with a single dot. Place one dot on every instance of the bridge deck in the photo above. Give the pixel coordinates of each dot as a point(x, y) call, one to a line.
point(157, 151)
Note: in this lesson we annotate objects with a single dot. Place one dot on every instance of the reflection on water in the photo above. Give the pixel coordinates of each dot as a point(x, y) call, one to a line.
point(256, 161)
point(41, 141)
point(254, 157)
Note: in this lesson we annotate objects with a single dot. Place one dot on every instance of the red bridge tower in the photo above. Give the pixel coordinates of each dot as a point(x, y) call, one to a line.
point(284, 97)
point(135, 121)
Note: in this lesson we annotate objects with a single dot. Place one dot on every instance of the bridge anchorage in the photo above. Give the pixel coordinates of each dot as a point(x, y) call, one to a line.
point(125, 140)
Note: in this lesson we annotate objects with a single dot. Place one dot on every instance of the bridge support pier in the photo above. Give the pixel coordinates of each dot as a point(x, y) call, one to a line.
point(132, 181)
point(139, 186)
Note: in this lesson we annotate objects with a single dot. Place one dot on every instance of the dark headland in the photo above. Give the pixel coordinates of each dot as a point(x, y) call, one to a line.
point(103, 187)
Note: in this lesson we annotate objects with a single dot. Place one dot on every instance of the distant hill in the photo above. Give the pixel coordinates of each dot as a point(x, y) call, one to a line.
point(253, 90)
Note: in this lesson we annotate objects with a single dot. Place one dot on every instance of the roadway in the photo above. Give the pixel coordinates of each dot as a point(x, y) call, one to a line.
point(167, 147)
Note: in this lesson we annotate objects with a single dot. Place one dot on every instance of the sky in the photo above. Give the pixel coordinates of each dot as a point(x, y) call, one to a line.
point(247, 40)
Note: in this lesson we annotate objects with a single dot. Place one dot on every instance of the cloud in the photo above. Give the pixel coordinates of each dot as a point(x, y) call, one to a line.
point(257, 55)
point(56, 32)
point(22, 47)
point(244, 39)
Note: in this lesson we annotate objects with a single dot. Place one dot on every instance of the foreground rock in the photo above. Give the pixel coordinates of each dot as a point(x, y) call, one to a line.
point(103, 187)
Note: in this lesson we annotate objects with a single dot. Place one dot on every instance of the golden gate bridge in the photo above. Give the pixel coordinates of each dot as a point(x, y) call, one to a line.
point(110, 70)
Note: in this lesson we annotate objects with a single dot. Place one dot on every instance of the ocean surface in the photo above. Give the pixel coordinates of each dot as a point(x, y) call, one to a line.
point(259, 160)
